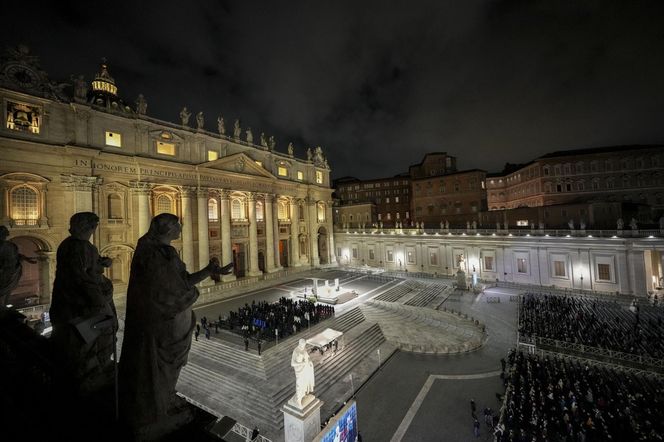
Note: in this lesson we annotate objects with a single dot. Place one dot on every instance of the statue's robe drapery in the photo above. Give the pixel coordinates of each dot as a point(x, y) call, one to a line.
point(10, 270)
point(158, 328)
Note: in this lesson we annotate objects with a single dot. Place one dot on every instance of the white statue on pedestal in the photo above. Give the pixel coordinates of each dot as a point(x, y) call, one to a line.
point(304, 376)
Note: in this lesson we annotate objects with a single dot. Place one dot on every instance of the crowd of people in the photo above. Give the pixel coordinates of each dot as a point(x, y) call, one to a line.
point(604, 324)
point(552, 399)
point(267, 321)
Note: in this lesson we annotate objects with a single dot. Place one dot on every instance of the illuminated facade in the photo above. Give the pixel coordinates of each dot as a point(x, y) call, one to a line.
point(263, 209)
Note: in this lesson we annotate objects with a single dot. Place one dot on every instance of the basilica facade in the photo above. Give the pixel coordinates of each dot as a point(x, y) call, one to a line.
point(86, 150)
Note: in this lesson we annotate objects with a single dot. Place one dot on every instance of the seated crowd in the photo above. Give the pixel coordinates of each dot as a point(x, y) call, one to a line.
point(552, 399)
point(604, 324)
point(288, 316)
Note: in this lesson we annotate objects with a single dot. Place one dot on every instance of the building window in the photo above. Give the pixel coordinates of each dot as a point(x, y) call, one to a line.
point(164, 204)
point(545, 170)
point(237, 209)
point(212, 155)
point(282, 210)
point(559, 269)
point(300, 175)
point(355, 254)
point(522, 265)
point(24, 203)
point(319, 177)
point(488, 263)
point(115, 206)
point(379, 217)
point(522, 222)
point(603, 272)
point(389, 256)
point(113, 139)
point(433, 257)
point(410, 257)
point(259, 211)
point(282, 171)
point(320, 210)
point(213, 210)
point(23, 117)
point(165, 148)
point(371, 255)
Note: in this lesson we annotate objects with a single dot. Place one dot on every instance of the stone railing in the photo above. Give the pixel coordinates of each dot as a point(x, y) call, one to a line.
point(522, 232)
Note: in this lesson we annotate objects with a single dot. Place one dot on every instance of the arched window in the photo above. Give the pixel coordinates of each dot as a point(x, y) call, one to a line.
point(321, 212)
point(24, 203)
point(115, 206)
point(237, 209)
point(283, 210)
point(259, 211)
point(213, 210)
point(301, 212)
point(164, 204)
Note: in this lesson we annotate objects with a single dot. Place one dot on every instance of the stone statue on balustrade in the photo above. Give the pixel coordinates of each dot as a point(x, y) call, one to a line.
point(467, 225)
point(474, 225)
point(633, 224)
point(158, 328)
point(263, 140)
point(309, 154)
point(442, 225)
point(250, 136)
point(82, 312)
point(80, 89)
point(290, 149)
point(184, 116)
point(221, 125)
point(200, 120)
point(582, 224)
point(620, 224)
point(304, 376)
point(271, 142)
point(447, 225)
point(237, 130)
point(141, 105)
point(11, 267)
point(570, 224)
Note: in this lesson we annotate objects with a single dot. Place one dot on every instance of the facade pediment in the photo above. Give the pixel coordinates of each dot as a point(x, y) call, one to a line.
point(238, 163)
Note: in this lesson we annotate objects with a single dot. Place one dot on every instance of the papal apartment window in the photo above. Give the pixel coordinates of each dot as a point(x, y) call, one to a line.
point(603, 272)
point(212, 155)
point(24, 203)
point(165, 148)
point(282, 171)
point(23, 117)
point(300, 175)
point(113, 139)
point(319, 177)
point(213, 210)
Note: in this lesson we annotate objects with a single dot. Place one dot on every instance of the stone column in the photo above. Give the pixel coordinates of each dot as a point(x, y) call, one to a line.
point(46, 275)
point(313, 232)
point(226, 246)
point(187, 229)
point(141, 191)
point(269, 234)
point(253, 236)
point(203, 230)
point(275, 223)
point(295, 233)
point(330, 228)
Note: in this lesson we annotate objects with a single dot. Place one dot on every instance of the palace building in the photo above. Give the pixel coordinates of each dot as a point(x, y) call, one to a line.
point(72, 148)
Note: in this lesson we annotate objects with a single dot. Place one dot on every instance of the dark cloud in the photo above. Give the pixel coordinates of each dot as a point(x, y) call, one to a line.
point(379, 84)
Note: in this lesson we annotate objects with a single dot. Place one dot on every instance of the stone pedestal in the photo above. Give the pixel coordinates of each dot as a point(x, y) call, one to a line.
point(461, 280)
point(302, 425)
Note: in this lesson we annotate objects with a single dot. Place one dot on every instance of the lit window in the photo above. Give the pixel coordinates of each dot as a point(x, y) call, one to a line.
point(604, 272)
point(24, 206)
point(23, 117)
point(321, 212)
point(522, 222)
point(282, 210)
point(259, 211)
point(165, 148)
point(213, 210)
point(282, 171)
point(237, 209)
point(300, 175)
point(410, 256)
point(521, 265)
point(114, 206)
point(113, 139)
point(319, 177)
point(212, 155)
point(164, 204)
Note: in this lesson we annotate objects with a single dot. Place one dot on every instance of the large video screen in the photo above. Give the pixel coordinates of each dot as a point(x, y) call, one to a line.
point(342, 427)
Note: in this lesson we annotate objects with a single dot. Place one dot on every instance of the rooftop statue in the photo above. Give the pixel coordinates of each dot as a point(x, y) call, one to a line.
point(81, 88)
point(620, 224)
point(141, 105)
point(221, 126)
point(82, 310)
point(184, 116)
point(237, 130)
point(304, 376)
point(158, 330)
point(633, 224)
point(263, 140)
point(250, 136)
point(200, 120)
point(271, 143)
point(290, 149)
point(309, 154)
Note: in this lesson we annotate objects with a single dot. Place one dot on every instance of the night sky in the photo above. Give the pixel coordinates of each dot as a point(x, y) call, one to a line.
point(377, 84)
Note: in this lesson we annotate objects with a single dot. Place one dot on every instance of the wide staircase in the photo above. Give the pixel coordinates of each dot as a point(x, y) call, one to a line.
point(394, 294)
point(427, 295)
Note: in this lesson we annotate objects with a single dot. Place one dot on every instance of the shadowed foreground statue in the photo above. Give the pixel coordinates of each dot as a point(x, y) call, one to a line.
point(304, 375)
point(158, 328)
point(10, 267)
point(82, 310)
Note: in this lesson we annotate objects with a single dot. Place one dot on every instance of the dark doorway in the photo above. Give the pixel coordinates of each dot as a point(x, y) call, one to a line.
point(283, 252)
point(239, 258)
